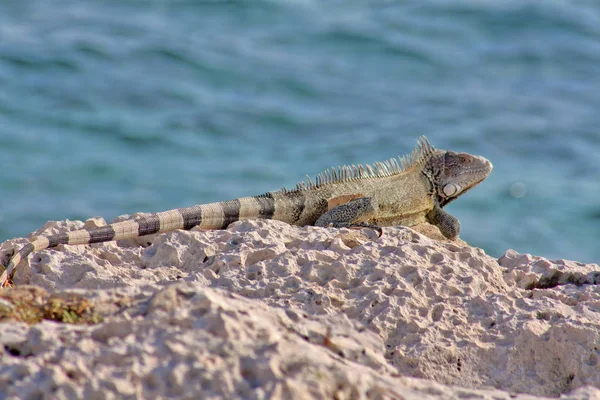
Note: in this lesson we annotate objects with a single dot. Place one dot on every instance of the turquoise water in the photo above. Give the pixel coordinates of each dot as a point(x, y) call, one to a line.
point(114, 107)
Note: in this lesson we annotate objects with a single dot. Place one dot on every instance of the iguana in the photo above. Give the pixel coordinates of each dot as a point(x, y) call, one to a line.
point(404, 191)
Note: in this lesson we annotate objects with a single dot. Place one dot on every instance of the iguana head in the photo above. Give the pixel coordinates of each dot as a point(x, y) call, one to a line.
point(452, 174)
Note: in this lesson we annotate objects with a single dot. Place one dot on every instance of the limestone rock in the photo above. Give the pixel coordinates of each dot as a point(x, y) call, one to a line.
point(266, 309)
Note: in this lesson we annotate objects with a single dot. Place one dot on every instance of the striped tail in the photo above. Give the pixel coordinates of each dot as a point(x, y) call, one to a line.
point(207, 216)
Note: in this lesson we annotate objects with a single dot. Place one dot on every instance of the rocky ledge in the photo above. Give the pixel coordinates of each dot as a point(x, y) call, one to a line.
point(267, 310)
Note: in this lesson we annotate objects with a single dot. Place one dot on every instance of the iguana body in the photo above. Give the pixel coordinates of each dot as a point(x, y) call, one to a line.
point(406, 192)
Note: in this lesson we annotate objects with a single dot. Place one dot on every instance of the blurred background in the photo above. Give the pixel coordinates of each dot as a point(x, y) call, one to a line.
point(114, 107)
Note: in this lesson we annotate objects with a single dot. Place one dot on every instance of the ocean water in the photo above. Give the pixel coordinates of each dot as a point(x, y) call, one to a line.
point(113, 107)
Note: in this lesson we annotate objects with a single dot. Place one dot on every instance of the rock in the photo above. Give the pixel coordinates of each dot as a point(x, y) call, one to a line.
point(266, 309)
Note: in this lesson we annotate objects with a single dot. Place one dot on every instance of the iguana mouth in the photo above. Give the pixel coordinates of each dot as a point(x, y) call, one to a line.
point(445, 201)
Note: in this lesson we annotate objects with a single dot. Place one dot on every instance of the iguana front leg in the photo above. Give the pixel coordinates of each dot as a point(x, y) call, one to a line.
point(448, 224)
point(353, 214)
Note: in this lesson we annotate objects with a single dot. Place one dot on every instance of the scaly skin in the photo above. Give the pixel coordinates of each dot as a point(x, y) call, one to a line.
point(384, 194)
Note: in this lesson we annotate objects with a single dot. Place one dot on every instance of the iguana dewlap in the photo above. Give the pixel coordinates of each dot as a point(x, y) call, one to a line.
point(405, 191)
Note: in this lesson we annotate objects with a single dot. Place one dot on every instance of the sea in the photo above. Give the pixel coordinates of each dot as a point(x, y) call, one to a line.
point(119, 106)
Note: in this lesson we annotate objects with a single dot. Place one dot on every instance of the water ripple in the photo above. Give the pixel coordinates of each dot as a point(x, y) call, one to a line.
point(122, 105)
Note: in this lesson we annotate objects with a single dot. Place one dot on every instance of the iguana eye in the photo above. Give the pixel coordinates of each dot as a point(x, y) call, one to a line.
point(451, 189)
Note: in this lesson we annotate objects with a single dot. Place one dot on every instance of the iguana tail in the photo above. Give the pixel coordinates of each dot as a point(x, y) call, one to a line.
point(208, 216)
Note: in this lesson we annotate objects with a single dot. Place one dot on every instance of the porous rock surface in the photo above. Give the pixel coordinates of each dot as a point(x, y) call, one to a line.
point(267, 310)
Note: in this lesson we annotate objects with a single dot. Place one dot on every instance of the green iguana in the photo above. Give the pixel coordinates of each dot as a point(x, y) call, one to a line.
point(404, 191)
